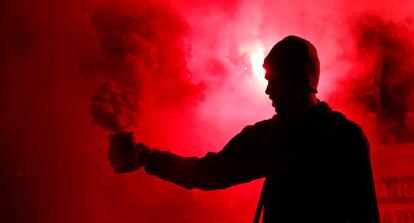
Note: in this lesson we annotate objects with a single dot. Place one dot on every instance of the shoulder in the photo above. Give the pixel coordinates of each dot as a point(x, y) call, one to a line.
point(261, 126)
point(250, 135)
point(347, 128)
point(346, 124)
point(257, 129)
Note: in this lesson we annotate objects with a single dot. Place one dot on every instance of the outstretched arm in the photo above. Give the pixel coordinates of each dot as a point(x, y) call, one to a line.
point(238, 162)
point(241, 160)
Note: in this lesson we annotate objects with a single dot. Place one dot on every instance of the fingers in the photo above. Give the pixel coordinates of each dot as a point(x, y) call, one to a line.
point(114, 158)
point(124, 159)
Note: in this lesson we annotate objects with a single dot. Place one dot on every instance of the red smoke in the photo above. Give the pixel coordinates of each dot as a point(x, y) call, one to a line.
point(184, 75)
point(383, 75)
point(143, 52)
point(114, 109)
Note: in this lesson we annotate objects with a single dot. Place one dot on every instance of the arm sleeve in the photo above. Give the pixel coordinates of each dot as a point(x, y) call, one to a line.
point(364, 202)
point(238, 162)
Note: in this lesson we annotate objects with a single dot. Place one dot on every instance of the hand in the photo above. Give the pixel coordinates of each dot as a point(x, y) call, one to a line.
point(124, 155)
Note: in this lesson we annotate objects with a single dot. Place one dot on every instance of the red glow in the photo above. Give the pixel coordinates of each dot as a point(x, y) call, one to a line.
point(195, 70)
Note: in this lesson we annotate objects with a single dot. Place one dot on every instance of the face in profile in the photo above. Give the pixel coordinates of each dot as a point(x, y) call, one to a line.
point(283, 91)
point(292, 72)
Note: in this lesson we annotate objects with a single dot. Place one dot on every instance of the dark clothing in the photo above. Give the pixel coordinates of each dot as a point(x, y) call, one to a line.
point(317, 168)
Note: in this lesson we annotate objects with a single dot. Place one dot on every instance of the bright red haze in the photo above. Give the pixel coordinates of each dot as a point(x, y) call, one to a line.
point(187, 77)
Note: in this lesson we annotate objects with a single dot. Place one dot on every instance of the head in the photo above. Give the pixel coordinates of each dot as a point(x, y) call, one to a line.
point(292, 72)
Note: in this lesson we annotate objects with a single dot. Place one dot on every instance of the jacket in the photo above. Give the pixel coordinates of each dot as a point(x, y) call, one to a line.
point(317, 168)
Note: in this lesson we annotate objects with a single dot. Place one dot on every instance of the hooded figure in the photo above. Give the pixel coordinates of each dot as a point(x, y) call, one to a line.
point(315, 161)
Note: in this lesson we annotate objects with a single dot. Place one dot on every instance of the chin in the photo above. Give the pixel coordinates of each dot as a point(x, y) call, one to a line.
point(280, 110)
point(277, 110)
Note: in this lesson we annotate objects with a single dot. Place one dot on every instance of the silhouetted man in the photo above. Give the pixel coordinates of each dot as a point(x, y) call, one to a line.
point(315, 161)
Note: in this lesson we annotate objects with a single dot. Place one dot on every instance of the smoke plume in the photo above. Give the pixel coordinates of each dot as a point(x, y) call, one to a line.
point(114, 109)
point(382, 77)
point(144, 54)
